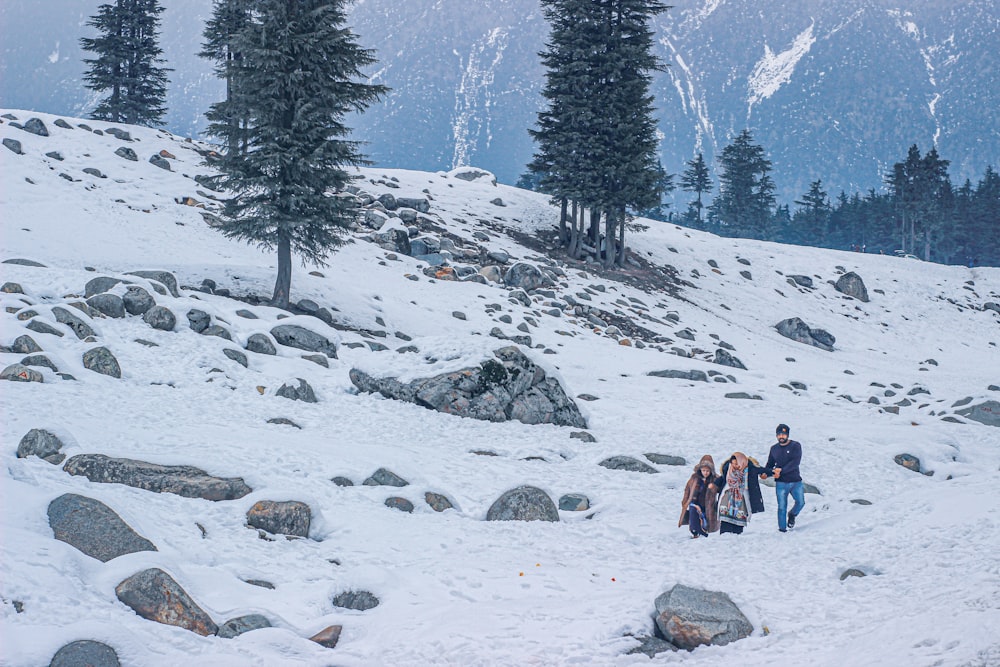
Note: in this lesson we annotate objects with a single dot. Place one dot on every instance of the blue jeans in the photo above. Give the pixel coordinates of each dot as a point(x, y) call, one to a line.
point(782, 489)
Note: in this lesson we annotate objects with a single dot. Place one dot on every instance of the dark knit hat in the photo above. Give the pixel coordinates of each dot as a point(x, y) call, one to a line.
point(782, 428)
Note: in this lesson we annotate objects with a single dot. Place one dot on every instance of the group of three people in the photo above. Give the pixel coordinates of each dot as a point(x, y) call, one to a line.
point(726, 502)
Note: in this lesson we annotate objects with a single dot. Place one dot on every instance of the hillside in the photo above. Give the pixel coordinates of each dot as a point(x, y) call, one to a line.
point(453, 588)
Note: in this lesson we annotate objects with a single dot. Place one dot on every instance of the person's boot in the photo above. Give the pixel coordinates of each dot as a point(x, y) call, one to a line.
point(791, 520)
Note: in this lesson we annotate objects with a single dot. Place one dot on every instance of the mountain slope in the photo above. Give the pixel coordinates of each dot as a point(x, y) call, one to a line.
point(455, 589)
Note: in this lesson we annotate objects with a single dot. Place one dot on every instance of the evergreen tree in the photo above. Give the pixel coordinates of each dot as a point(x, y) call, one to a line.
point(812, 220)
point(918, 185)
point(299, 79)
point(227, 119)
point(697, 179)
point(746, 199)
point(127, 63)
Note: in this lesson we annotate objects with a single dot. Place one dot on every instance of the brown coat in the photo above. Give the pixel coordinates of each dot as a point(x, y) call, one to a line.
point(711, 495)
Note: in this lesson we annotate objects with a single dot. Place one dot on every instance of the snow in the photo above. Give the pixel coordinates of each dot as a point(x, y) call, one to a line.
point(455, 589)
point(774, 70)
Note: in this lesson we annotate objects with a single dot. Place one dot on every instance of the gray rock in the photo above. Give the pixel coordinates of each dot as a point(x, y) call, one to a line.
point(160, 317)
point(159, 161)
point(93, 528)
point(397, 239)
point(283, 420)
point(127, 153)
point(583, 436)
point(797, 330)
point(690, 617)
point(186, 481)
point(473, 174)
point(165, 278)
point(260, 583)
point(574, 502)
point(36, 126)
point(357, 600)
point(155, 596)
point(388, 200)
point(401, 504)
point(328, 637)
point(666, 459)
point(437, 502)
point(384, 477)
point(237, 356)
point(100, 360)
point(235, 627)
point(137, 301)
point(59, 122)
point(25, 344)
point(908, 461)
point(852, 285)
point(303, 392)
point(303, 339)
point(510, 387)
point(21, 373)
point(525, 503)
point(41, 327)
point(321, 359)
point(94, 171)
point(12, 288)
point(108, 304)
point(281, 518)
point(198, 320)
point(342, 481)
point(987, 412)
point(524, 276)
point(79, 327)
point(260, 344)
point(627, 463)
point(39, 442)
point(724, 358)
point(24, 262)
point(246, 314)
point(651, 646)
point(217, 330)
point(803, 281)
point(85, 653)
point(852, 572)
point(861, 501)
point(14, 145)
point(419, 203)
point(744, 396)
point(99, 285)
point(119, 133)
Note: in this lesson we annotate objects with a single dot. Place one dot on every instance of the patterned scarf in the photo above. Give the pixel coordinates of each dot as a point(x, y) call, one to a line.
point(733, 506)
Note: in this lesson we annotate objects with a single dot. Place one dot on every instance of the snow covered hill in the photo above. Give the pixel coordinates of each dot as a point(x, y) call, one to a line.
point(454, 589)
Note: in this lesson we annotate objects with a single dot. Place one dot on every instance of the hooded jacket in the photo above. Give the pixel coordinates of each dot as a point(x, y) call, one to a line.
point(710, 500)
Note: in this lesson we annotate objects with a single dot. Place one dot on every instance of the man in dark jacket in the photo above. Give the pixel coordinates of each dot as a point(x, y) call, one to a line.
point(783, 464)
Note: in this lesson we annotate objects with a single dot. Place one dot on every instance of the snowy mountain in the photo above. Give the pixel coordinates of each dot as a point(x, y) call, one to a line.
point(907, 371)
point(834, 90)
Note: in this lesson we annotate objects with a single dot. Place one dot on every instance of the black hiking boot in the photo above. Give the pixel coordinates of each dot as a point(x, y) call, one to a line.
point(791, 520)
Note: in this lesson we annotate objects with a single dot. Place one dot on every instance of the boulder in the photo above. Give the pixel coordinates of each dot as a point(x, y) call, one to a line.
point(14, 145)
point(693, 375)
point(724, 358)
point(302, 392)
point(25, 345)
point(155, 596)
point(39, 442)
point(260, 344)
point(198, 320)
point(119, 133)
point(524, 276)
point(36, 126)
point(160, 317)
point(357, 600)
point(509, 387)
point(574, 502)
point(100, 360)
point(93, 528)
point(651, 646)
point(237, 356)
point(397, 239)
point(12, 288)
point(137, 301)
point(186, 481)
point(852, 285)
point(303, 339)
point(384, 477)
point(127, 153)
point(41, 327)
point(21, 373)
point(40, 360)
point(235, 627)
point(473, 174)
point(398, 503)
point(99, 285)
point(666, 459)
point(525, 503)
point(628, 464)
point(908, 461)
point(437, 502)
point(79, 327)
point(987, 413)
point(802, 281)
point(159, 161)
point(797, 330)
point(85, 653)
point(165, 278)
point(281, 518)
point(691, 617)
point(852, 572)
point(328, 636)
point(107, 304)
point(217, 330)
point(421, 204)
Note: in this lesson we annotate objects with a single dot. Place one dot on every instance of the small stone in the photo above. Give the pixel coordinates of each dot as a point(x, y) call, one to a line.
point(237, 356)
point(583, 436)
point(21, 373)
point(384, 477)
point(160, 317)
point(356, 600)
point(342, 481)
point(243, 624)
point(284, 421)
point(437, 502)
point(43, 444)
point(328, 637)
point(127, 153)
point(666, 459)
point(101, 360)
point(852, 572)
point(280, 518)
point(574, 502)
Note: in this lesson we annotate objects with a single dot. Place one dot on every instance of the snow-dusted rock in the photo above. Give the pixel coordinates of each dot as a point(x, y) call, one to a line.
point(797, 330)
point(852, 285)
point(628, 464)
point(235, 627)
point(93, 528)
point(289, 517)
point(101, 360)
point(302, 391)
point(186, 481)
point(154, 595)
point(525, 503)
point(85, 653)
point(39, 442)
point(691, 617)
point(301, 338)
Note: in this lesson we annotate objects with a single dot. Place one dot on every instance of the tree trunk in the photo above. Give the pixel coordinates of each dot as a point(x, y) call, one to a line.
point(595, 231)
point(283, 283)
point(620, 260)
point(574, 233)
point(563, 234)
point(609, 239)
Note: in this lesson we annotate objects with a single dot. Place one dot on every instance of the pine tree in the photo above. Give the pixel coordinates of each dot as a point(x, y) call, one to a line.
point(299, 79)
point(696, 178)
point(813, 219)
point(127, 63)
point(745, 203)
point(227, 120)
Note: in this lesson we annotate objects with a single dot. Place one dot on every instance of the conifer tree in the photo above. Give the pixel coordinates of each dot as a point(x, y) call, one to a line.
point(812, 220)
point(745, 203)
point(697, 179)
point(127, 63)
point(227, 120)
point(300, 76)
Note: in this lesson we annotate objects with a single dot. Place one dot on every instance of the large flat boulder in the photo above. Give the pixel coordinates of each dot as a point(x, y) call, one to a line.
point(93, 528)
point(303, 339)
point(525, 503)
point(797, 330)
point(987, 413)
point(691, 617)
point(510, 387)
point(186, 481)
point(154, 595)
